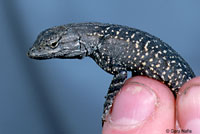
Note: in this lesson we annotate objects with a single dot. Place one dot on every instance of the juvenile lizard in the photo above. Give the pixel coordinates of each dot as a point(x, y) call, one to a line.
point(116, 49)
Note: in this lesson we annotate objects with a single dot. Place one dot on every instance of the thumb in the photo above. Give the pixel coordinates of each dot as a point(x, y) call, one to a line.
point(143, 106)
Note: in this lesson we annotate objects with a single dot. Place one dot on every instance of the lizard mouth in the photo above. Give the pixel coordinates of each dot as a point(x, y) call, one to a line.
point(45, 56)
point(34, 54)
point(37, 57)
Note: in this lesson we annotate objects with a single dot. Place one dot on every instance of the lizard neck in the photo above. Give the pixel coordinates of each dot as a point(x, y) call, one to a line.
point(90, 43)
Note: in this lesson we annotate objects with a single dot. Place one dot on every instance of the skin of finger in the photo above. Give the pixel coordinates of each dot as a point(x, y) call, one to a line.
point(182, 110)
point(163, 117)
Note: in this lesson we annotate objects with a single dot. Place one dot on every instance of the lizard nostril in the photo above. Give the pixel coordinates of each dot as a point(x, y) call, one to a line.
point(30, 52)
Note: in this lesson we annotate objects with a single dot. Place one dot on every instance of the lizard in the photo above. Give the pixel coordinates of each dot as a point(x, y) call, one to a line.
point(116, 49)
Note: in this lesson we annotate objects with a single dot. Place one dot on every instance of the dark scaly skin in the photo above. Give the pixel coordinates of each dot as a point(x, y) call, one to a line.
point(116, 49)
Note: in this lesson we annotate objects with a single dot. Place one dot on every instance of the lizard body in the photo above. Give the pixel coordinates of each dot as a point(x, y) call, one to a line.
point(116, 49)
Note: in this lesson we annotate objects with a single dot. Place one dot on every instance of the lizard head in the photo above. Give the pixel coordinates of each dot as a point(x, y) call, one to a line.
point(57, 42)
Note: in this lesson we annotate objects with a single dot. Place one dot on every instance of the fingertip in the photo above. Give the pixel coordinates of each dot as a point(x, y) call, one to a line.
point(188, 106)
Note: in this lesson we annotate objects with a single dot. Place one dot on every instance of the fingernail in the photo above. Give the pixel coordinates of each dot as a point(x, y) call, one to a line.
point(188, 106)
point(135, 103)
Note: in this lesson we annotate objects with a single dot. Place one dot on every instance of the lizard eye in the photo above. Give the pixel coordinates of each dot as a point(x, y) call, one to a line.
point(54, 44)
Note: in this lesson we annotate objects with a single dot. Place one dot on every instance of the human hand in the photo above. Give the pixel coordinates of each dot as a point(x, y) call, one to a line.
point(146, 106)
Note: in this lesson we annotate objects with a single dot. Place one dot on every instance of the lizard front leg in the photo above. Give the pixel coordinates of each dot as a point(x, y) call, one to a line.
point(115, 86)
